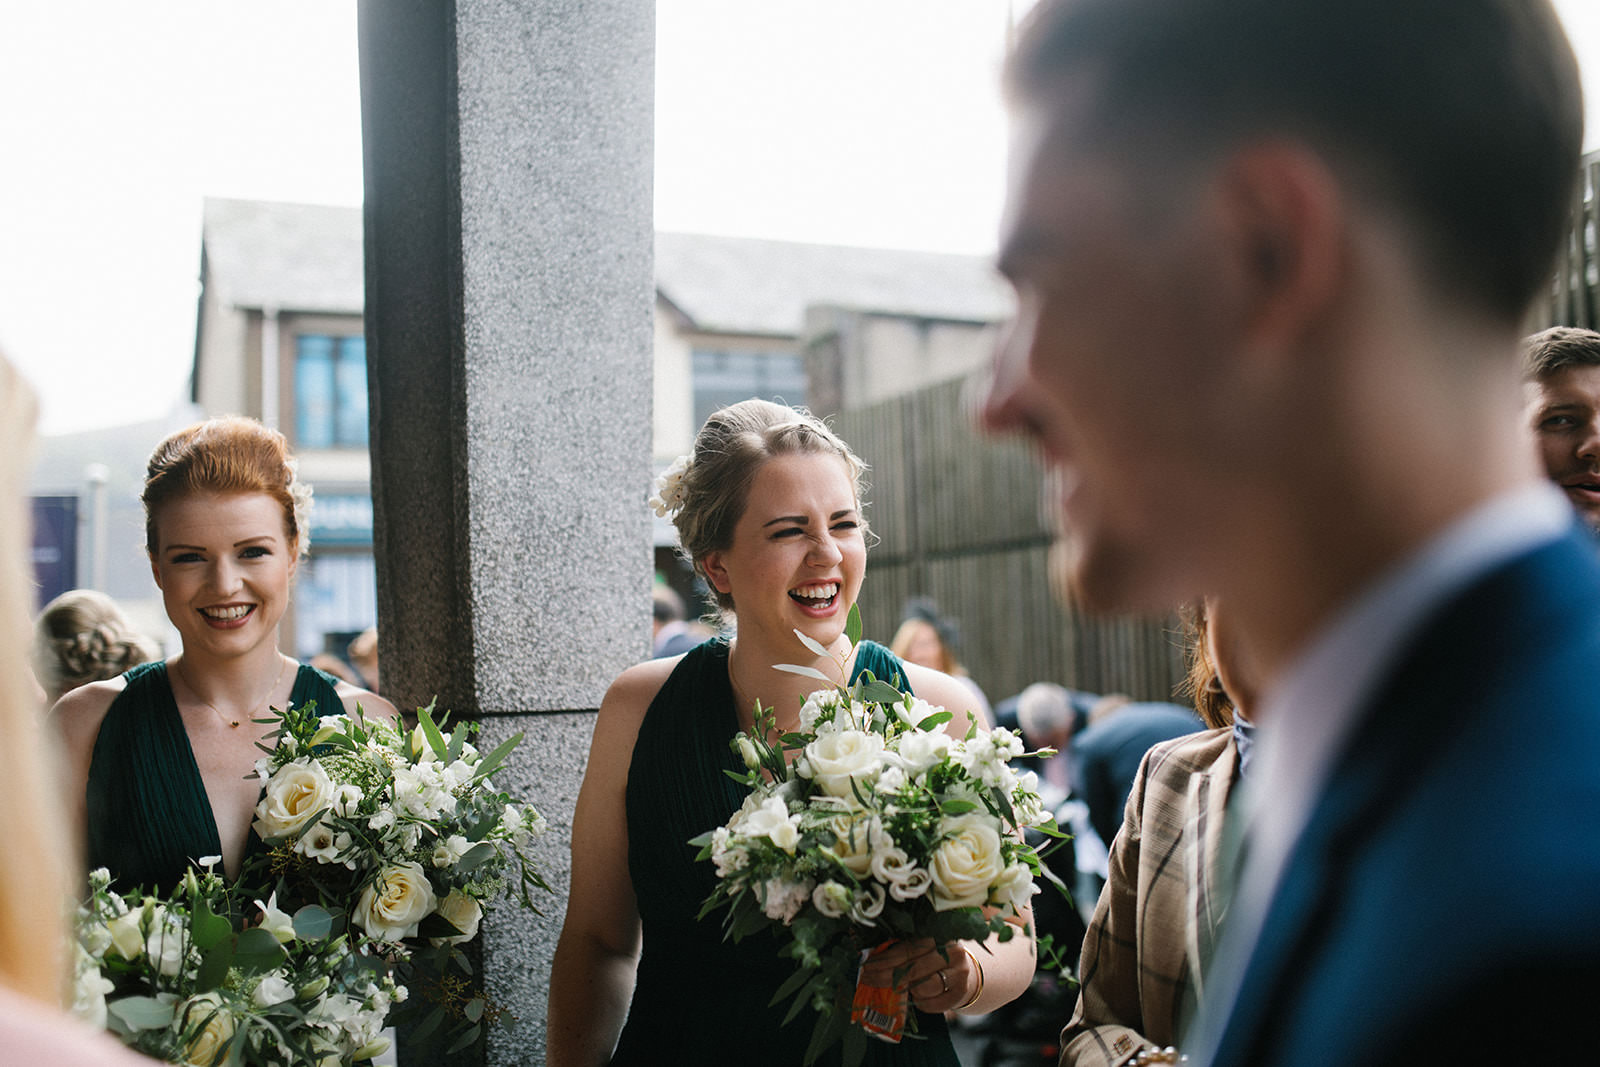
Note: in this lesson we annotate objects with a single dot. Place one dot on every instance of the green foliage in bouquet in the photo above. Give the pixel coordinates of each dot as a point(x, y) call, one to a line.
point(403, 835)
point(870, 824)
point(383, 850)
point(207, 976)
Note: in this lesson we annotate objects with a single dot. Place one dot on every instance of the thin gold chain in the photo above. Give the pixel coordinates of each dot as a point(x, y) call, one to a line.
point(233, 724)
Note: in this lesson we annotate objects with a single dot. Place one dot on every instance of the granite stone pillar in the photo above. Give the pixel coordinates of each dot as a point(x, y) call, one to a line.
point(509, 297)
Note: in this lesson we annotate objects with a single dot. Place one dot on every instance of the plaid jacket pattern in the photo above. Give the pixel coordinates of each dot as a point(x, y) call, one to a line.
point(1158, 915)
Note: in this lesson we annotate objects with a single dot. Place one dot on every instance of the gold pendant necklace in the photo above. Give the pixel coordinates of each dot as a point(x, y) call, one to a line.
point(233, 724)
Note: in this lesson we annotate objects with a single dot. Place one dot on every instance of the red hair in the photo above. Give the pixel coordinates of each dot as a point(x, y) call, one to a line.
point(231, 454)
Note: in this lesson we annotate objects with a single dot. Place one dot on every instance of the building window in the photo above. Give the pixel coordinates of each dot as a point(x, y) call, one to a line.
point(722, 378)
point(330, 392)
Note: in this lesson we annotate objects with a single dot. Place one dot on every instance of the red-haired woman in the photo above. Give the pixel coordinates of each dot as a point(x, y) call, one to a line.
point(158, 759)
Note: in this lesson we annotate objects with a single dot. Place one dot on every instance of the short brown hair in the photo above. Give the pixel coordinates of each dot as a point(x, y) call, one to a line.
point(230, 454)
point(1557, 348)
point(1463, 117)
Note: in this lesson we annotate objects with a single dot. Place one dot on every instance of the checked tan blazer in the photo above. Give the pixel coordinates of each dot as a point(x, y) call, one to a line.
point(1158, 915)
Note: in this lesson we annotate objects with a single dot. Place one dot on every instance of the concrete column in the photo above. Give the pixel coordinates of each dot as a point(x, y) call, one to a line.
point(508, 149)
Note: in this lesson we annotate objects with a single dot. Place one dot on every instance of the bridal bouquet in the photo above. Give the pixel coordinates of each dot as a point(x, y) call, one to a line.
point(883, 827)
point(405, 834)
point(204, 977)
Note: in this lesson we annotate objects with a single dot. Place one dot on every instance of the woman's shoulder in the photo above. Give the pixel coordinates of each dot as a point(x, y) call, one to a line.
point(1183, 756)
point(79, 713)
point(370, 704)
point(943, 691)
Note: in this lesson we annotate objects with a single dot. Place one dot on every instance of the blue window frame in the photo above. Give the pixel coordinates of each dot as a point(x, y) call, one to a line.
point(330, 391)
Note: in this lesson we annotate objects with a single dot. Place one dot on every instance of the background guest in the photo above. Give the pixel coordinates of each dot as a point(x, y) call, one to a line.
point(930, 640)
point(1142, 967)
point(1107, 754)
point(671, 634)
point(362, 654)
point(1561, 383)
point(82, 636)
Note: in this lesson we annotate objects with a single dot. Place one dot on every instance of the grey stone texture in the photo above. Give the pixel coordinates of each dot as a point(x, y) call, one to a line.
point(508, 293)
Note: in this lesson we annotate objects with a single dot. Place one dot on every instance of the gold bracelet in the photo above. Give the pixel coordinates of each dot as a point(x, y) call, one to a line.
point(979, 991)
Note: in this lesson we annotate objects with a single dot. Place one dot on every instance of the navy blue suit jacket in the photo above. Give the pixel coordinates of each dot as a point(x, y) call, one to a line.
point(1443, 905)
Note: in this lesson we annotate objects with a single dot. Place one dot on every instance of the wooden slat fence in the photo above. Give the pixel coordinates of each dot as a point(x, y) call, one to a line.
point(959, 520)
point(1572, 299)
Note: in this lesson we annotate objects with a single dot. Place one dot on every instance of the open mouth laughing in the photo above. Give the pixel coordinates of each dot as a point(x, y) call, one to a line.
point(818, 597)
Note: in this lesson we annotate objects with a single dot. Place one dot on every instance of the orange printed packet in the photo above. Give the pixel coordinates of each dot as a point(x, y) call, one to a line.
point(879, 1010)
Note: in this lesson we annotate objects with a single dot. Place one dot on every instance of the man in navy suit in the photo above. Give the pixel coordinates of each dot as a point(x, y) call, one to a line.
point(1272, 261)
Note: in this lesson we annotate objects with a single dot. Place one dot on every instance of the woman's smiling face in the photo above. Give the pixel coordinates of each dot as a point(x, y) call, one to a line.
point(224, 564)
point(798, 552)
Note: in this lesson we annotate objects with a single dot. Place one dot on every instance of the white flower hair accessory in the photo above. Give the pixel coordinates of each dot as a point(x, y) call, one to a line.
point(669, 496)
point(300, 493)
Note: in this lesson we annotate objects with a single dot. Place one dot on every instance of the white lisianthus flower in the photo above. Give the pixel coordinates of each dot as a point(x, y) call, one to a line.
point(462, 912)
point(773, 821)
point(782, 900)
point(322, 843)
point(748, 753)
point(392, 905)
point(207, 1027)
point(89, 989)
point(448, 852)
point(832, 898)
point(855, 837)
point(1014, 886)
point(167, 943)
point(293, 795)
point(890, 864)
point(346, 800)
point(335, 1011)
point(273, 989)
point(915, 882)
point(920, 709)
point(868, 903)
point(918, 751)
point(966, 862)
point(836, 760)
point(94, 938)
point(891, 779)
point(275, 922)
point(381, 819)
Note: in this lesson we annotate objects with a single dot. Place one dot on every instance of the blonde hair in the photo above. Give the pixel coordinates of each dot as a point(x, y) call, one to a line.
point(82, 636)
point(33, 938)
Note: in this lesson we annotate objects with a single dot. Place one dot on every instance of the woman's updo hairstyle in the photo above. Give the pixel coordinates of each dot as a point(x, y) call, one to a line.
point(82, 636)
point(231, 454)
point(705, 492)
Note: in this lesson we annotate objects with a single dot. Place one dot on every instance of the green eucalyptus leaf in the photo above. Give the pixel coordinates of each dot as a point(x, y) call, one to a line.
point(142, 1013)
point(257, 950)
point(852, 626)
point(312, 923)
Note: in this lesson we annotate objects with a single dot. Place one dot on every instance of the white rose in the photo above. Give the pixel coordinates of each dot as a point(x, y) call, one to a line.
point(772, 821)
point(920, 750)
point(1014, 886)
point(462, 912)
point(832, 899)
point(854, 838)
point(838, 759)
point(273, 989)
point(965, 863)
point(448, 852)
point(277, 923)
point(391, 907)
point(207, 1028)
point(127, 934)
point(293, 795)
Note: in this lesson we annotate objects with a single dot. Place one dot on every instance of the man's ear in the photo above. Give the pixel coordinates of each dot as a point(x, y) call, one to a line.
point(716, 572)
point(1284, 219)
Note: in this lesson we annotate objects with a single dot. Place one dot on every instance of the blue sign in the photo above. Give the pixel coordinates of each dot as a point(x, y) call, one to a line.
point(55, 547)
point(341, 519)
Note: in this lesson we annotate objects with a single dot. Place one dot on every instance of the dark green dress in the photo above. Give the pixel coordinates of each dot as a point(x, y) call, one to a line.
point(700, 999)
point(148, 812)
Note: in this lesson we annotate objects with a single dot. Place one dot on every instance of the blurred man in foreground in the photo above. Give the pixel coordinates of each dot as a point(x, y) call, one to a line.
point(1271, 262)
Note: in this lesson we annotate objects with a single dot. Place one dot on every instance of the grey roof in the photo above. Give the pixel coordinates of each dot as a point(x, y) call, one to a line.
point(746, 285)
point(308, 257)
point(293, 257)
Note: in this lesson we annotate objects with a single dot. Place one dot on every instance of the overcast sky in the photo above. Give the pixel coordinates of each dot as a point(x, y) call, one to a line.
point(870, 122)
